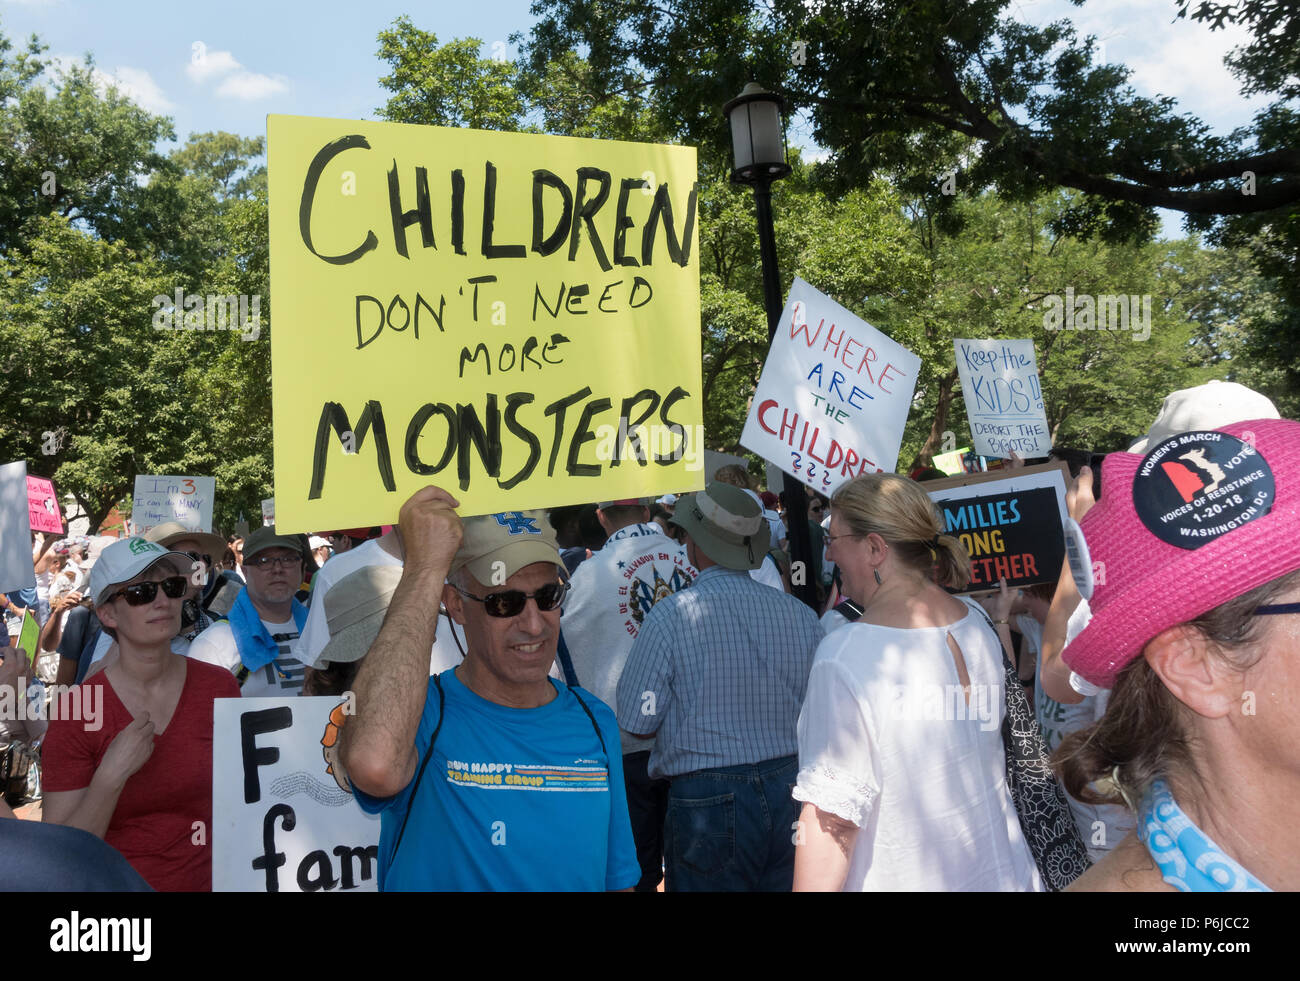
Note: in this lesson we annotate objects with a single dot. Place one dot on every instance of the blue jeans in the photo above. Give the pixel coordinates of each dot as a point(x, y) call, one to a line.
point(731, 829)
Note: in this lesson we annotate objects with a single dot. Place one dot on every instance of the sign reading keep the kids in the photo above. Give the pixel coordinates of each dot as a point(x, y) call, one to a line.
point(513, 317)
point(1004, 399)
point(834, 394)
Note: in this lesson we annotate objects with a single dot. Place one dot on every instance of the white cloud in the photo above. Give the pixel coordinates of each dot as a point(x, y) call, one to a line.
point(238, 82)
point(138, 86)
point(1178, 58)
point(134, 83)
point(205, 64)
point(252, 85)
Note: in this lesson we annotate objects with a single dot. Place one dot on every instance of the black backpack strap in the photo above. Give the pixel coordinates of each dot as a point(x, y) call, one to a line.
point(428, 754)
point(566, 665)
point(849, 610)
point(599, 735)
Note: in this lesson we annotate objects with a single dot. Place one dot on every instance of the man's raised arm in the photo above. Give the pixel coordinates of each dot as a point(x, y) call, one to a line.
point(378, 744)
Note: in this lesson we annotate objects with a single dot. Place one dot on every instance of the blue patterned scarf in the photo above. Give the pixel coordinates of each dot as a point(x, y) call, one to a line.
point(1186, 856)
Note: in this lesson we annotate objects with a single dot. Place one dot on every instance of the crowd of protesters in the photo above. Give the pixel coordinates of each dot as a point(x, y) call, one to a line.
point(730, 738)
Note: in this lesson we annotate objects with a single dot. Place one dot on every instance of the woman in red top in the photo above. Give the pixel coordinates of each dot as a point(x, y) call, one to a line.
point(136, 767)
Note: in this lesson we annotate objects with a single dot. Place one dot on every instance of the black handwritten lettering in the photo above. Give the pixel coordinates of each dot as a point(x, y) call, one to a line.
point(486, 440)
point(458, 211)
point(490, 250)
point(422, 212)
point(582, 435)
point(555, 341)
point(600, 304)
point(420, 301)
point(662, 209)
point(333, 416)
point(251, 725)
point(378, 330)
point(318, 164)
point(537, 295)
point(557, 409)
point(622, 221)
point(513, 401)
point(416, 429)
point(487, 359)
point(638, 282)
point(576, 292)
point(545, 246)
point(586, 210)
point(630, 426)
point(675, 396)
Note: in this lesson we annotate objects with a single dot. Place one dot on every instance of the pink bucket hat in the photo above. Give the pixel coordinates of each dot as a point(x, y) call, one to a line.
point(1202, 518)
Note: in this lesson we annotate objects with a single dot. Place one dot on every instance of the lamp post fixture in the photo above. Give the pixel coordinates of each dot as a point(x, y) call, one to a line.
point(758, 144)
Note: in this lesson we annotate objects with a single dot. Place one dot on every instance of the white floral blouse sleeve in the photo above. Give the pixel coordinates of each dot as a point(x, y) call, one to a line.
point(837, 767)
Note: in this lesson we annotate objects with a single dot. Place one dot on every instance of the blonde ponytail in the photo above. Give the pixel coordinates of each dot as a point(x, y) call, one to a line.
point(901, 513)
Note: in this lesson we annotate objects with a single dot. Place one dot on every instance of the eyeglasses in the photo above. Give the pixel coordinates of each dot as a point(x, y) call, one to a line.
point(831, 539)
point(140, 593)
point(283, 561)
point(199, 557)
point(511, 603)
point(1278, 608)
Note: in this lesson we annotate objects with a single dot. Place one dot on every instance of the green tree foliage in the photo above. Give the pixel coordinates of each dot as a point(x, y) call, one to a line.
point(914, 89)
point(79, 272)
point(448, 84)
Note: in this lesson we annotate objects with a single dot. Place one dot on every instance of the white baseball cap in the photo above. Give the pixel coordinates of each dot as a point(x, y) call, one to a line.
point(1210, 406)
point(668, 500)
point(124, 560)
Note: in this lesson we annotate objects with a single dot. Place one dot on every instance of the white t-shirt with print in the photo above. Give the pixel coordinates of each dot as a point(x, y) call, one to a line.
point(613, 592)
point(282, 676)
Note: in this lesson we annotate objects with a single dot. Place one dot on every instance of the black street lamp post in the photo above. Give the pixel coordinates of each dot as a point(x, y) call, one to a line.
point(758, 142)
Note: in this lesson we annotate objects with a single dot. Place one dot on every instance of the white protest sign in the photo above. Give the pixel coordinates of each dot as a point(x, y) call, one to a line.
point(282, 818)
point(1004, 400)
point(16, 570)
point(159, 500)
point(268, 511)
point(833, 396)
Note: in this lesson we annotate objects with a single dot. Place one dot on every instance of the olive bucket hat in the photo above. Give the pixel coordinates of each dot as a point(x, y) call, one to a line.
point(727, 525)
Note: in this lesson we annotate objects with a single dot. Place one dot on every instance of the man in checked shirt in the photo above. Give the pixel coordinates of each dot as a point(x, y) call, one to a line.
point(258, 639)
point(718, 674)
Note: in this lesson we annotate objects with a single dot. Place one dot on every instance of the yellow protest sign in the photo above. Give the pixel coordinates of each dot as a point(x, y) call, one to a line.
point(513, 317)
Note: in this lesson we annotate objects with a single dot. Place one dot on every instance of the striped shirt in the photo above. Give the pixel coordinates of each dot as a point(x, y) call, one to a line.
point(718, 672)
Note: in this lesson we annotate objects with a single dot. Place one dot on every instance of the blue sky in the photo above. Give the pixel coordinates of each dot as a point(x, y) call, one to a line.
point(318, 58)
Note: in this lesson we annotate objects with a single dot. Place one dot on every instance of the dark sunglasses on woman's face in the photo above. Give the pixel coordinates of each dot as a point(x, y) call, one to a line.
point(140, 593)
point(205, 559)
point(511, 603)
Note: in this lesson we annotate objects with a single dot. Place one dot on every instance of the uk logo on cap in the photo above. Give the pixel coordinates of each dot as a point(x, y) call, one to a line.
point(517, 523)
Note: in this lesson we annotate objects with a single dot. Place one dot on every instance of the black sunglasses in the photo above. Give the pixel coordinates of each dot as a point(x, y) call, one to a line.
point(205, 559)
point(140, 593)
point(511, 603)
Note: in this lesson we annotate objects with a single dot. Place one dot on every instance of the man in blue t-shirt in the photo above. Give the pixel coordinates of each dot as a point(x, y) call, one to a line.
point(491, 776)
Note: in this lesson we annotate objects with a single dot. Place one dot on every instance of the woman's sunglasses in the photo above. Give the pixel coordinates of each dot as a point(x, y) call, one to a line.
point(140, 593)
point(511, 603)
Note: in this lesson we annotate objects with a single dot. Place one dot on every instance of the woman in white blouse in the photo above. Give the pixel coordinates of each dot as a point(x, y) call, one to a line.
point(901, 766)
